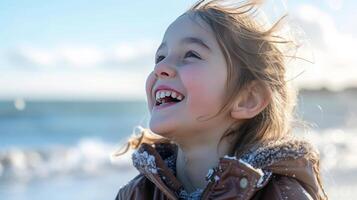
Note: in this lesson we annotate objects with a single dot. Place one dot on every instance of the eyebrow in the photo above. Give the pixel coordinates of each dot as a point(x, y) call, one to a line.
point(189, 40)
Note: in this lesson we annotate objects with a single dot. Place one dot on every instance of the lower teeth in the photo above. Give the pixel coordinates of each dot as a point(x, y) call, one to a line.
point(162, 103)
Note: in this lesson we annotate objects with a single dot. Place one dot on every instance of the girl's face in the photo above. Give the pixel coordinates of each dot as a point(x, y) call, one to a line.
point(190, 69)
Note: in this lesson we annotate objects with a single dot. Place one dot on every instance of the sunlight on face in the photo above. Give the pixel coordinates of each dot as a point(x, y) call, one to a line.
point(190, 62)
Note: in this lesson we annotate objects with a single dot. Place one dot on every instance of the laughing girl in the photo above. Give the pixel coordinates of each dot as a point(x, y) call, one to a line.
point(221, 114)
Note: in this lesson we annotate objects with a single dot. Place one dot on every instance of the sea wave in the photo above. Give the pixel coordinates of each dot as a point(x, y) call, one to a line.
point(88, 157)
point(94, 157)
point(337, 148)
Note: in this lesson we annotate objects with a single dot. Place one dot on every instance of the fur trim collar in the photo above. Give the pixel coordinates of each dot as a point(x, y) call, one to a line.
point(260, 156)
point(149, 159)
point(266, 154)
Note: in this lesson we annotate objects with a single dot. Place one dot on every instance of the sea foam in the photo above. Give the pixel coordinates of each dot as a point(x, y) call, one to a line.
point(88, 157)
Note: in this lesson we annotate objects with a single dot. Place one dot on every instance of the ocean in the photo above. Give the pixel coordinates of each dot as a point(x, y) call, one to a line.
point(62, 149)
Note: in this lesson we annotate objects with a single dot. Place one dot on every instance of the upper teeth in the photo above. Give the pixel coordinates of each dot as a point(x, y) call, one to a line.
point(166, 93)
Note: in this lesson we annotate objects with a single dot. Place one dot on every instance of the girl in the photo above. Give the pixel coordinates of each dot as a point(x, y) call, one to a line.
point(221, 111)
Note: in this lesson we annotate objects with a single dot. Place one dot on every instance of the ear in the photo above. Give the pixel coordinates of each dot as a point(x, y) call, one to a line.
point(251, 101)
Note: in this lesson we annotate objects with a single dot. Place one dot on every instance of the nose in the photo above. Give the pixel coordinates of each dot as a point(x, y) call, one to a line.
point(164, 70)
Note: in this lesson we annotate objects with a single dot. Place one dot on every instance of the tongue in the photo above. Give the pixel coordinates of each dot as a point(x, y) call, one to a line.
point(168, 100)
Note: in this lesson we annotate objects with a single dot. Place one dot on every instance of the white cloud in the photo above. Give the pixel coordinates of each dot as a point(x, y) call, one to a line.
point(35, 55)
point(79, 56)
point(334, 51)
point(69, 71)
point(126, 52)
point(335, 4)
point(140, 52)
point(79, 84)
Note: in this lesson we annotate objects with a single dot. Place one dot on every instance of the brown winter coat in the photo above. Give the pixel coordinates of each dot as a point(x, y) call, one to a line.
point(287, 169)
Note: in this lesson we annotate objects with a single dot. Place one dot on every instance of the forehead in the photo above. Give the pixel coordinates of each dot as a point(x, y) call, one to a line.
point(189, 25)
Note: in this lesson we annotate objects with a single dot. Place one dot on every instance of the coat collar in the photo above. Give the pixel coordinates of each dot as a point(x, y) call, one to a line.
point(158, 163)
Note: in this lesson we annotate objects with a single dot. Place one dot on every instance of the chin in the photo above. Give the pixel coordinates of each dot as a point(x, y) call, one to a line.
point(162, 129)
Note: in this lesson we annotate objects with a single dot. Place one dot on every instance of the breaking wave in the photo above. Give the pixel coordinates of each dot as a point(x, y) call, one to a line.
point(337, 148)
point(93, 157)
point(88, 157)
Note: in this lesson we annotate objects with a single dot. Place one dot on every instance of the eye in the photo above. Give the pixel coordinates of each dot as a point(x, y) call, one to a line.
point(192, 54)
point(159, 58)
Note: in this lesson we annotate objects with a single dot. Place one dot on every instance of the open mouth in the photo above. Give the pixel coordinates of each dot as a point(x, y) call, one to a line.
point(164, 97)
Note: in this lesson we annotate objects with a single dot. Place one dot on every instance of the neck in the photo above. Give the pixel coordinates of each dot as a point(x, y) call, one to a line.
point(196, 156)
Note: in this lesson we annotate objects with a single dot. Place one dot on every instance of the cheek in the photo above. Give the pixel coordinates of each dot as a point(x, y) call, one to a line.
point(205, 91)
point(150, 80)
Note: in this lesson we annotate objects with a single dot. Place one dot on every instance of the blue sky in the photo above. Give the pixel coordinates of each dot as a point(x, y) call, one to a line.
point(104, 49)
point(48, 23)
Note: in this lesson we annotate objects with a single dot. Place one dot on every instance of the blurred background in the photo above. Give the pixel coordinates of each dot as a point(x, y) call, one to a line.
point(72, 76)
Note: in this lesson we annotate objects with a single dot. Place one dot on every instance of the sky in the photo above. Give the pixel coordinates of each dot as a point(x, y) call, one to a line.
point(105, 49)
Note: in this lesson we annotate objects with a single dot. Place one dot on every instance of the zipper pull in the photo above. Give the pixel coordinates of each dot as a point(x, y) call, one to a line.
point(212, 175)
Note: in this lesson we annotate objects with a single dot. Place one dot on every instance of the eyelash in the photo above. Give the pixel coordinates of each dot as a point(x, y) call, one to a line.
point(160, 58)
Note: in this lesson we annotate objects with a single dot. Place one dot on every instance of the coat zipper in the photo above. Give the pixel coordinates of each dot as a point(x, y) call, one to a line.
point(211, 178)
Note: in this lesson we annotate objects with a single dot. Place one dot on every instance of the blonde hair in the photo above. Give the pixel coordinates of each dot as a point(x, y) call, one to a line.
point(252, 53)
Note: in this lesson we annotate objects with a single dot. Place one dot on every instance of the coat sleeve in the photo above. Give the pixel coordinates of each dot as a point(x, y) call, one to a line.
point(284, 188)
